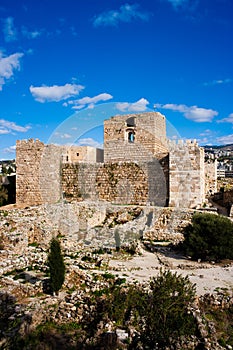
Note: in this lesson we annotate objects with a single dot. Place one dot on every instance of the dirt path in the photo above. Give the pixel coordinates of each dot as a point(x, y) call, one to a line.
point(208, 278)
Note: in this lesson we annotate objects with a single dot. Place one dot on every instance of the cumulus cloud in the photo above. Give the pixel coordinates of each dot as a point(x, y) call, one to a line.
point(89, 142)
point(218, 82)
point(89, 101)
point(55, 93)
point(9, 30)
point(193, 113)
point(138, 106)
point(127, 13)
point(8, 65)
point(225, 140)
point(7, 127)
point(228, 119)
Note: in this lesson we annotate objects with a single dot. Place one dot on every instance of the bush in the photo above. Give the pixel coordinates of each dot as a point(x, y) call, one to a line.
point(56, 266)
point(167, 315)
point(209, 237)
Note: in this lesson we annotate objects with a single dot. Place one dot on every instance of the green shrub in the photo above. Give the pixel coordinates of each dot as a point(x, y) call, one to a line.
point(209, 237)
point(166, 313)
point(56, 266)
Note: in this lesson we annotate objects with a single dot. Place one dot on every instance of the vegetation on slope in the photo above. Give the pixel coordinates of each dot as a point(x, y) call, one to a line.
point(209, 237)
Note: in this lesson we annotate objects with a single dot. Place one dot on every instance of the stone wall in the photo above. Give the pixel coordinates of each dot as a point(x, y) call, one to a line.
point(186, 174)
point(122, 183)
point(210, 177)
point(38, 172)
point(83, 225)
point(148, 141)
point(119, 183)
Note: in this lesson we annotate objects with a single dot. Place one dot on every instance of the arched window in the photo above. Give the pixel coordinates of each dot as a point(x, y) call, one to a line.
point(131, 136)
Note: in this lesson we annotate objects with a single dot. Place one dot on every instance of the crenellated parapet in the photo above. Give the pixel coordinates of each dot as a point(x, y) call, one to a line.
point(140, 166)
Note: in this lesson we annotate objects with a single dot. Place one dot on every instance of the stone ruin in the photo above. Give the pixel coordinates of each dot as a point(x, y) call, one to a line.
point(138, 165)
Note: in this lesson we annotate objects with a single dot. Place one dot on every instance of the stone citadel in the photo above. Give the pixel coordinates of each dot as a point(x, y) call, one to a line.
point(138, 165)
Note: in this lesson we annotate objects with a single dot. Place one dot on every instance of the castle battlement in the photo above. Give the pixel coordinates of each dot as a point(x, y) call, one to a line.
point(138, 165)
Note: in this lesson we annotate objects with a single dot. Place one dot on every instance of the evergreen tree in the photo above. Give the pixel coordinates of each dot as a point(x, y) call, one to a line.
point(56, 266)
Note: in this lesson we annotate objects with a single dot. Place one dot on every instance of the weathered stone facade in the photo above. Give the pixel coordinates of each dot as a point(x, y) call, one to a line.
point(118, 182)
point(186, 174)
point(210, 177)
point(140, 167)
point(38, 172)
point(135, 137)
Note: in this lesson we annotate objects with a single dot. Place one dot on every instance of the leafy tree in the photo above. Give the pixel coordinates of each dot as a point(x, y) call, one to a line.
point(56, 266)
point(166, 315)
point(209, 237)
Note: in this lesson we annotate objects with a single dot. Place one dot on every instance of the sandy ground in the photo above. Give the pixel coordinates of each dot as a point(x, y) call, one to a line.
point(208, 277)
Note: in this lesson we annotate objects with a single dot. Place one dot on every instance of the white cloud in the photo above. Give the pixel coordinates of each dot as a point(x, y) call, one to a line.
point(228, 119)
point(4, 131)
point(63, 136)
point(55, 93)
point(9, 30)
point(193, 113)
point(10, 149)
point(127, 13)
point(225, 140)
point(30, 34)
point(138, 106)
point(89, 142)
point(89, 101)
point(218, 82)
point(8, 65)
point(206, 133)
point(6, 127)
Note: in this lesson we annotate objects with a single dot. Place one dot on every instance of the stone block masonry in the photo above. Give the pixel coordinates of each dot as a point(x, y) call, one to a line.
point(210, 177)
point(118, 183)
point(135, 137)
point(140, 167)
point(186, 175)
point(38, 172)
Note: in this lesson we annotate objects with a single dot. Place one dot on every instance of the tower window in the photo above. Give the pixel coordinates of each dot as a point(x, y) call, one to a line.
point(131, 136)
point(77, 154)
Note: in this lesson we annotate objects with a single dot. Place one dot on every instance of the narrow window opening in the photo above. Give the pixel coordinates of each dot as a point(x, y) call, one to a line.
point(77, 154)
point(131, 136)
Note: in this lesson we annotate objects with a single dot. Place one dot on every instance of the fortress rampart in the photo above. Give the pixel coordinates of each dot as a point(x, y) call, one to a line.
point(140, 167)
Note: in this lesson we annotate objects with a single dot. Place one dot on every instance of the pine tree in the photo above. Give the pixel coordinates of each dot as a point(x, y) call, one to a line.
point(56, 266)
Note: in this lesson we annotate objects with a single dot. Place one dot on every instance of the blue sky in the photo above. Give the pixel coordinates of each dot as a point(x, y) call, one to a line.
point(62, 62)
